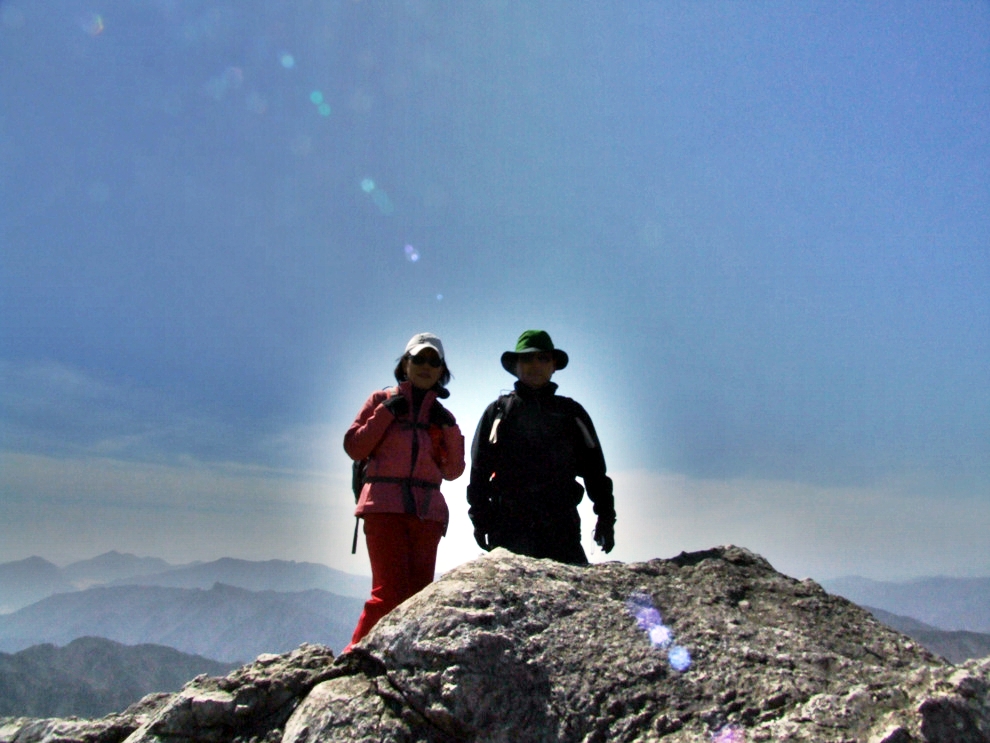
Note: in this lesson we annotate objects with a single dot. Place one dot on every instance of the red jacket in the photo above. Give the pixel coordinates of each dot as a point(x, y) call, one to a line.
point(395, 483)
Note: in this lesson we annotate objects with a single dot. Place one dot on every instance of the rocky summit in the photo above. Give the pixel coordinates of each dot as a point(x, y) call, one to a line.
point(711, 646)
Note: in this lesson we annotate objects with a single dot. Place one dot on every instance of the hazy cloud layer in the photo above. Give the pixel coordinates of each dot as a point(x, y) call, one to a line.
point(759, 230)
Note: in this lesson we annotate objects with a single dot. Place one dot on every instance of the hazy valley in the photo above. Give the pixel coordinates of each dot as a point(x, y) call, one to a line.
point(955, 604)
point(99, 634)
point(163, 622)
point(25, 582)
point(91, 677)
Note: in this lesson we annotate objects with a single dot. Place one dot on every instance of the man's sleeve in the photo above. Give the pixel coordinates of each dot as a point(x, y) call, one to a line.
point(591, 466)
point(482, 465)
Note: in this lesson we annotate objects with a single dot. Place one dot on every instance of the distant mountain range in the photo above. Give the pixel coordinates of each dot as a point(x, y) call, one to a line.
point(949, 616)
point(25, 582)
point(112, 566)
point(954, 646)
point(92, 677)
point(97, 635)
point(272, 575)
point(953, 604)
point(224, 623)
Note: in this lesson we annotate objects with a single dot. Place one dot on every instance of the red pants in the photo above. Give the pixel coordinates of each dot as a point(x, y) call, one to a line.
point(403, 552)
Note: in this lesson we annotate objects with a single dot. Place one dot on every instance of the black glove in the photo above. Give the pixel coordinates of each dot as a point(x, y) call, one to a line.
point(397, 405)
point(605, 535)
point(440, 416)
point(482, 539)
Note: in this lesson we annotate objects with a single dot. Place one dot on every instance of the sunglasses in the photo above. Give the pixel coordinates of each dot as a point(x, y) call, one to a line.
point(431, 359)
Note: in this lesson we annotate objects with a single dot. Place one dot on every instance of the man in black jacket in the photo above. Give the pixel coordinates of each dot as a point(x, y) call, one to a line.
point(529, 447)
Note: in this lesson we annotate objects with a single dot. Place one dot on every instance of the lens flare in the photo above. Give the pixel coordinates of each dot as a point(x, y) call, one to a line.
point(679, 658)
point(287, 60)
point(648, 619)
point(317, 99)
point(383, 202)
point(729, 734)
point(660, 636)
point(412, 255)
point(93, 24)
point(378, 195)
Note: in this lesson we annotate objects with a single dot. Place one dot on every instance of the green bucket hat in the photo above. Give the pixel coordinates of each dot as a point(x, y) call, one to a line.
point(533, 341)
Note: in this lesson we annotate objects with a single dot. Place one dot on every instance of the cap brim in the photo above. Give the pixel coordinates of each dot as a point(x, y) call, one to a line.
point(415, 350)
point(510, 358)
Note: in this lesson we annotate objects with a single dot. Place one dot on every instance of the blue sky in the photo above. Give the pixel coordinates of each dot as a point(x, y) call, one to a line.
point(761, 230)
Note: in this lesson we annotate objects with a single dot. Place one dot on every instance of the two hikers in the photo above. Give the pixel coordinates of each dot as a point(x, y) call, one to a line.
point(529, 447)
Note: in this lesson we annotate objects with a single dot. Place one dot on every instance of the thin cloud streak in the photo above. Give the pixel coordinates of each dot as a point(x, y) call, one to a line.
point(196, 511)
point(899, 529)
point(70, 509)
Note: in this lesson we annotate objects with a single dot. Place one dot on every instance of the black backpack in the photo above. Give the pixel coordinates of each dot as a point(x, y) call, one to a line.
point(359, 470)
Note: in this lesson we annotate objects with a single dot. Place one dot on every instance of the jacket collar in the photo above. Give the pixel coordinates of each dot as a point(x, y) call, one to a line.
point(406, 389)
point(528, 393)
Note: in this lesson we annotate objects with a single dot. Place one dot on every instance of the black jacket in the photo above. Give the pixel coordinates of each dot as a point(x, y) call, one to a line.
point(541, 443)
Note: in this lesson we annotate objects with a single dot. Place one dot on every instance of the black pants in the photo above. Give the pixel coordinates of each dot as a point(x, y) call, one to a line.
point(555, 535)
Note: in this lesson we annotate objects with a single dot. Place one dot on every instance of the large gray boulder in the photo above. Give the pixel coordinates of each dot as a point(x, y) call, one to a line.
point(709, 646)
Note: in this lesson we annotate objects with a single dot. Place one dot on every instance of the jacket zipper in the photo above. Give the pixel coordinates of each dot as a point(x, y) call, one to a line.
point(409, 500)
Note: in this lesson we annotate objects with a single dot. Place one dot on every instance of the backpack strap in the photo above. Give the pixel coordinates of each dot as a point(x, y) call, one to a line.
point(589, 440)
point(503, 404)
point(572, 411)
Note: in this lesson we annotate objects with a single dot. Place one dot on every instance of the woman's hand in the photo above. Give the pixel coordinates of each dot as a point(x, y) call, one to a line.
point(440, 416)
point(397, 405)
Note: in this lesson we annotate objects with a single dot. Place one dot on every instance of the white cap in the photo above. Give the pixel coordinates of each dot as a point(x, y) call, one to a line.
point(424, 340)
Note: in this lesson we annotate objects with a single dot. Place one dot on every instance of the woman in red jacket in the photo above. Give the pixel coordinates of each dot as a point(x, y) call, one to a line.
point(413, 443)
